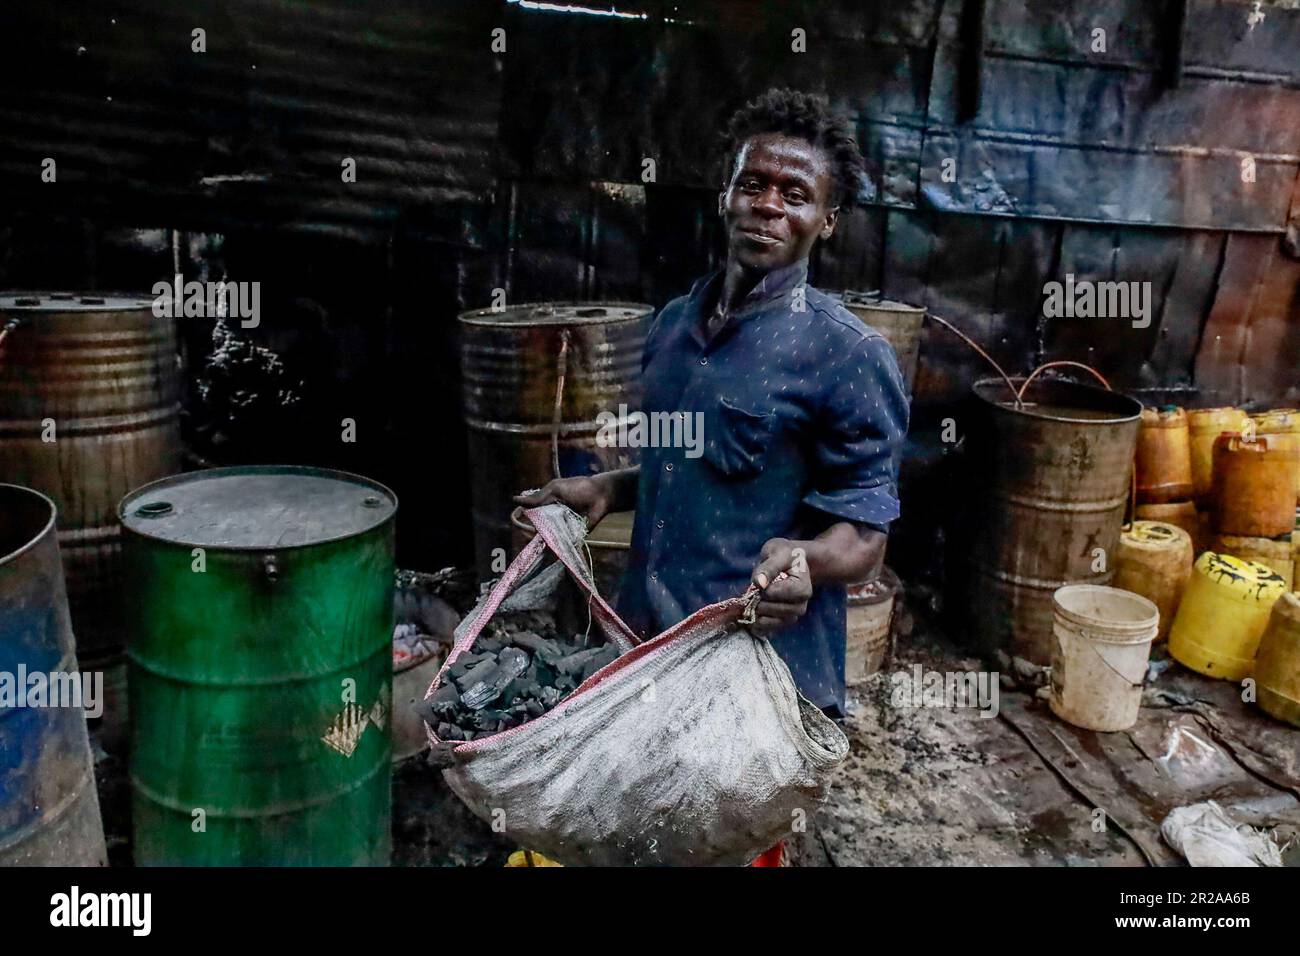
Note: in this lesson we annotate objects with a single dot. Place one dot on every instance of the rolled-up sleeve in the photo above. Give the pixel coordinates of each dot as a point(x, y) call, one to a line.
point(861, 425)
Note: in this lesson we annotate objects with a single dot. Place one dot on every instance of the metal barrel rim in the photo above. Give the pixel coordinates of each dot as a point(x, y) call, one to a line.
point(554, 314)
point(1125, 408)
point(33, 540)
point(56, 302)
point(232, 470)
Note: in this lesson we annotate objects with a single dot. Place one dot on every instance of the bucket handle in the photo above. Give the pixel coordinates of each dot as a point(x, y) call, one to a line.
point(1017, 394)
point(1042, 368)
point(1132, 495)
point(971, 342)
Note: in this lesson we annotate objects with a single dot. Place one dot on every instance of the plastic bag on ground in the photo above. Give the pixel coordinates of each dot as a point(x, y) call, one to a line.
point(692, 748)
point(1206, 836)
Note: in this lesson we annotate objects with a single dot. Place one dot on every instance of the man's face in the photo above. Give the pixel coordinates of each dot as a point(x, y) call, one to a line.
point(777, 204)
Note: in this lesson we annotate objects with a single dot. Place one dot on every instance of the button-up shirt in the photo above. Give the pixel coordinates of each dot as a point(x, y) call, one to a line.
point(802, 408)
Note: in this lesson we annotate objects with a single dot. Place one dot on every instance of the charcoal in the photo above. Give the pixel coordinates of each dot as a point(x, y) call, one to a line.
point(490, 647)
point(476, 674)
point(464, 663)
point(441, 756)
point(479, 693)
point(540, 673)
point(447, 693)
point(574, 663)
point(424, 708)
point(515, 691)
point(432, 711)
point(548, 651)
point(603, 656)
point(519, 668)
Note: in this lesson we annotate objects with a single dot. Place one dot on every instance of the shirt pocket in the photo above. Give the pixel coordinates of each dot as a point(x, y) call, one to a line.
point(736, 439)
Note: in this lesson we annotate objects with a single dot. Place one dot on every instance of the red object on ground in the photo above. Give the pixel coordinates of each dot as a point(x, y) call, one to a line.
point(771, 857)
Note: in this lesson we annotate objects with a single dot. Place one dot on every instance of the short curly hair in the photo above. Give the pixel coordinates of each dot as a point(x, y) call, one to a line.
point(809, 117)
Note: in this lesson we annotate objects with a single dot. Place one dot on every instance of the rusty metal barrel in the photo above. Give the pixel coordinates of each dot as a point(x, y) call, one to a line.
point(49, 811)
point(898, 322)
point(89, 410)
point(535, 379)
point(1051, 480)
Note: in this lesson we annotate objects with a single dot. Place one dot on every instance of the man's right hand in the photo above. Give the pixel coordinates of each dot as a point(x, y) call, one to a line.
point(590, 497)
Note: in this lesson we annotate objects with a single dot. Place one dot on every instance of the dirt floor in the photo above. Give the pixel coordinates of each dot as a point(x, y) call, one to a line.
point(948, 786)
point(942, 785)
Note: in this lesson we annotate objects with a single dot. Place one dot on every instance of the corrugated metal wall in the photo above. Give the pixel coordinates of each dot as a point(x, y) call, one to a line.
point(522, 170)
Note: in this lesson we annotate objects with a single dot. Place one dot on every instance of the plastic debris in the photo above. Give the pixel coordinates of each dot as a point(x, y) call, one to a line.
point(1206, 835)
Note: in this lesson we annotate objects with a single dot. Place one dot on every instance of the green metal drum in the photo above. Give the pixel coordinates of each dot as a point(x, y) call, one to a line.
point(260, 650)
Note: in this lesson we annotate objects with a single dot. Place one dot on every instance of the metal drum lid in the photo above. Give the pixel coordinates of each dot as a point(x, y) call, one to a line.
point(558, 313)
point(71, 302)
point(257, 507)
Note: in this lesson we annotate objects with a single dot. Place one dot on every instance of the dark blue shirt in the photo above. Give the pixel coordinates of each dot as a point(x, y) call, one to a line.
point(802, 408)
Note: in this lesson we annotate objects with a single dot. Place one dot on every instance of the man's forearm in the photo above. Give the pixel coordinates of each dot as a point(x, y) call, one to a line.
point(845, 553)
point(621, 485)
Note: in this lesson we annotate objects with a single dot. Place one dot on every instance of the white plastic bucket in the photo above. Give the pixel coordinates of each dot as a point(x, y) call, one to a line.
point(868, 625)
point(1099, 656)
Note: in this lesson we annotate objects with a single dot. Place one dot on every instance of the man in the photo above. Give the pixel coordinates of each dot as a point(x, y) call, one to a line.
point(803, 408)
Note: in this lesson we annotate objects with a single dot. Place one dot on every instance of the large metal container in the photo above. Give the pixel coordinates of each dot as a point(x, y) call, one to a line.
point(1051, 480)
point(260, 667)
point(49, 811)
point(898, 322)
point(89, 409)
point(512, 362)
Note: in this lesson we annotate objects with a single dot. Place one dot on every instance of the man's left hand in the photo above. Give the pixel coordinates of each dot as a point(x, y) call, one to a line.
point(784, 601)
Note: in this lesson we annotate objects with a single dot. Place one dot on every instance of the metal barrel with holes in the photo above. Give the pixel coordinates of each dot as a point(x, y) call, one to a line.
point(514, 364)
point(261, 613)
point(89, 409)
point(49, 810)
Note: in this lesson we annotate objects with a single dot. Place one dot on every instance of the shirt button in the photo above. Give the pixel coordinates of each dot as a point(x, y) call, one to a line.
point(668, 467)
point(654, 575)
point(704, 361)
point(659, 523)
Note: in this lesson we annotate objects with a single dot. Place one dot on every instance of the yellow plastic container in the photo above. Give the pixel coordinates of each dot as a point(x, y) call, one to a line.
point(1163, 461)
point(1182, 514)
point(1277, 667)
point(1283, 426)
point(1223, 614)
point(1155, 561)
point(1277, 553)
point(1204, 425)
point(1254, 485)
point(529, 858)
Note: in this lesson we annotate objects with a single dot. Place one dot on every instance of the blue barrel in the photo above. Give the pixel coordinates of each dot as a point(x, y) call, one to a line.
point(49, 811)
